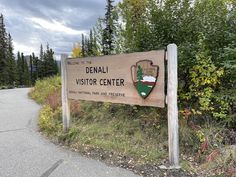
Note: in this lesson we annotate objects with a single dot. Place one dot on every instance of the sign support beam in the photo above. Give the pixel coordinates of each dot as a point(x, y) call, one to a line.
point(64, 97)
point(173, 126)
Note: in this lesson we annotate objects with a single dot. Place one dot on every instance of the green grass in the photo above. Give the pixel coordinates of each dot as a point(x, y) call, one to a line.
point(120, 136)
point(127, 130)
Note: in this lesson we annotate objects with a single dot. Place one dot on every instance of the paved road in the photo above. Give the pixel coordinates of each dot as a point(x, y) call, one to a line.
point(25, 153)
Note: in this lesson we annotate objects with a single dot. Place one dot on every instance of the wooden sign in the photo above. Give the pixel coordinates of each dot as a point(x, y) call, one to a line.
point(136, 79)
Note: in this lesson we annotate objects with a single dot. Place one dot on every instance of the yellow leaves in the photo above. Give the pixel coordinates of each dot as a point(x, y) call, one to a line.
point(44, 117)
point(76, 51)
point(205, 76)
point(200, 136)
point(196, 112)
point(205, 72)
point(48, 119)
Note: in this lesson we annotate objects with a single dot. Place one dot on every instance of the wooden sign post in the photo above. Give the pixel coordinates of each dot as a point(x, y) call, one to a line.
point(64, 96)
point(135, 79)
point(173, 126)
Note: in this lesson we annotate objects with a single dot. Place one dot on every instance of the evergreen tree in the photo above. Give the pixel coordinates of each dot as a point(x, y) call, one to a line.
point(35, 62)
point(31, 69)
point(41, 69)
point(25, 68)
point(90, 44)
point(49, 62)
point(98, 33)
point(83, 46)
point(4, 77)
point(41, 53)
point(95, 48)
point(86, 46)
point(11, 63)
point(19, 70)
point(108, 31)
point(23, 74)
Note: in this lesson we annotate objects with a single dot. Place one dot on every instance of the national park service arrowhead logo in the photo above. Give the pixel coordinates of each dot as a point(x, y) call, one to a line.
point(144, 75)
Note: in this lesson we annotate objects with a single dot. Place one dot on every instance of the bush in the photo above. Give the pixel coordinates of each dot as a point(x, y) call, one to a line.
point(220, 162)
point(50, 120)
point(48, 92)
point(44, 88)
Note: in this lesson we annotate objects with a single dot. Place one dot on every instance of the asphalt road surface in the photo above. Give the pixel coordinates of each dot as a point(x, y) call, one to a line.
point(25, 153)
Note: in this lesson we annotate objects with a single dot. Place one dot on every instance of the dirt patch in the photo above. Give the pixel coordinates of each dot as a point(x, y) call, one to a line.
point(129, 163)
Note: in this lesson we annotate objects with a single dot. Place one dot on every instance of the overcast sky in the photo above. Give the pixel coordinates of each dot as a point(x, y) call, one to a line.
point(58, 22)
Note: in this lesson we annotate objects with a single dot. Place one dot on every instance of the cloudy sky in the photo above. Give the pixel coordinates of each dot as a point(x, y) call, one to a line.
point(58, 22)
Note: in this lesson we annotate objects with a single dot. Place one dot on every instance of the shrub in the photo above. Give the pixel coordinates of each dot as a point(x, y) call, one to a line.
point(50, 120)
point(44, 88)
point(202, 97)
point(223, 163)
point(54, 100)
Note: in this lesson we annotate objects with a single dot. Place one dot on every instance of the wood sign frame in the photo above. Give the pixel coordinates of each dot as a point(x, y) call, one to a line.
point(136, 79)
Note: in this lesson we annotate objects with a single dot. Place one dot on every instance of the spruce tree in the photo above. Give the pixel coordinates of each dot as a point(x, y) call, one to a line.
point(19, 78)
point(95, 45)
point(86, 46)
point(25, 68)
point(49, 62)
point(98, 36)
point(41, 63)
point(35, 62)
point(108, 31)
point(31, 70)
point(11, 63)
point(83, 46)
point(90, 44)
point(3, 52)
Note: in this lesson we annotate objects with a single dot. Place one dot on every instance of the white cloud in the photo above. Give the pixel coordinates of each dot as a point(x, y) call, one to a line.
point(59, 23)
point(55, 26)
point(24, 48)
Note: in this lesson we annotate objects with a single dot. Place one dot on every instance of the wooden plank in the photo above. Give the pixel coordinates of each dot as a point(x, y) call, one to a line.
point(111, 78)
point(173, 134)
point(64, 97)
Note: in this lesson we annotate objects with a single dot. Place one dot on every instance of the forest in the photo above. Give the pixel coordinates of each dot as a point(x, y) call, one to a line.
point(17, 71)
